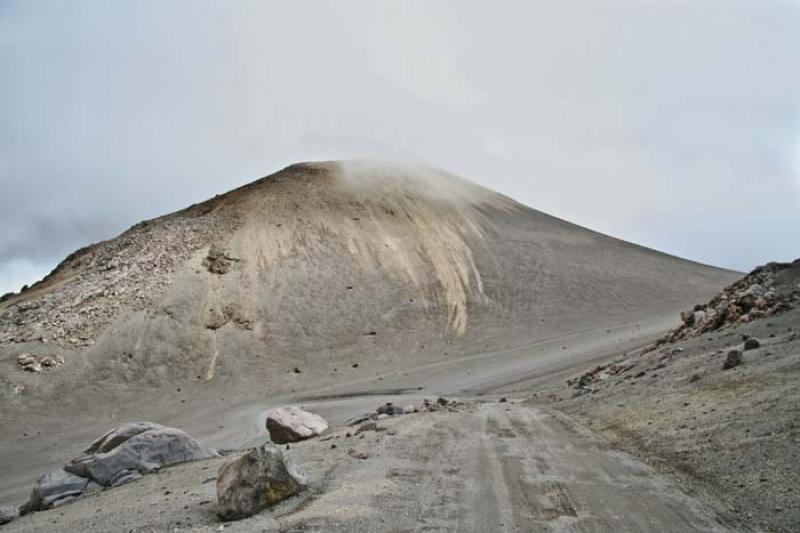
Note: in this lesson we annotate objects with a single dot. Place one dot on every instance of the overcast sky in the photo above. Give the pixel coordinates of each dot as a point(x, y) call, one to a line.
point(671, 123)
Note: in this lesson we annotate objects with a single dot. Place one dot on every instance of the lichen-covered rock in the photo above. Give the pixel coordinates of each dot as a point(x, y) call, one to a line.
point(258, 479)
point(133, 449)
point(292, 424)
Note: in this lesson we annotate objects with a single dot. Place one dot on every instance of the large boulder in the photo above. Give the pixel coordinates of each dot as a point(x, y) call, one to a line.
point(292, 424)
point(256, 480)
point(131, 450)
point(54, 489)
point(120, 434)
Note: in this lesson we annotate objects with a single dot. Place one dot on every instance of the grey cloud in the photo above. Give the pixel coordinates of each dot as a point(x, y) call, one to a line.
point(668, 123)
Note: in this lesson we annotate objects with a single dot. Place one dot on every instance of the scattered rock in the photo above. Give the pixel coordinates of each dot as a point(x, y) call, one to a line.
point(32, 363)
point(694, 377)
point(601, 373)
point(383, 416)
point(256, 480)
point(367, 426)
point(733, 359)
point(409, 409)
point(29, 363)
point(751, 344)
point(503, 400)
point(357, 455)
point(292, 424)
point(389, 409)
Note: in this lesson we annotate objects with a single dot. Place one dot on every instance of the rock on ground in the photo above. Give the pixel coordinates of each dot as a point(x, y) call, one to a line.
point(54, 489)
point(135, 449)
point(256, 480)
point(8, 513)
point(751, 343)
point(733, 359)
point(120, 434)
point(292, 424)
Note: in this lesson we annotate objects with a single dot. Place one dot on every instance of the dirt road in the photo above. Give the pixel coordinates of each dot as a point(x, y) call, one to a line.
point(486, 466)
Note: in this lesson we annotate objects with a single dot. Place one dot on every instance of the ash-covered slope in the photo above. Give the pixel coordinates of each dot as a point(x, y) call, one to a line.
point(323, 266)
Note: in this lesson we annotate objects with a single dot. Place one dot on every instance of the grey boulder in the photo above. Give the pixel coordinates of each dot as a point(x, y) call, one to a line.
point(120, 434)
point(258, 479)
point(53, 489)
point(130, 450)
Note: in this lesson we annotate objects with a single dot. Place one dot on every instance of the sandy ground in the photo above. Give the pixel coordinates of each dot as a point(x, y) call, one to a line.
point(230, 417)
point(487, 467)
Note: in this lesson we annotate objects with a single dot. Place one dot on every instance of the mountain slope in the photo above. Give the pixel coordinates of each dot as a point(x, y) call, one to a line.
point(323, 265)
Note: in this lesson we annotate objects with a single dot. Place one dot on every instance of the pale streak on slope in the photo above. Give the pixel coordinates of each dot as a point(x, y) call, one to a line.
point(395, 220)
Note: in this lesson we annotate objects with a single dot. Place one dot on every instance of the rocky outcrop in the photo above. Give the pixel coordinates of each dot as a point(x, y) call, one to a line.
point(292, 424)
point(255, 481)
point(131, 450)
point(127, 273)
point(762, 293)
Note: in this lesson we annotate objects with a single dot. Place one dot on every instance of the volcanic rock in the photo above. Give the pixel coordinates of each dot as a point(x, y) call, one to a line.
point(256, 480)
point(751, 344)
point(733, 359)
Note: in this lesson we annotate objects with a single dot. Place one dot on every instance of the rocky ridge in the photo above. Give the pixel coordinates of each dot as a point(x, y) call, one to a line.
point(92, 286)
